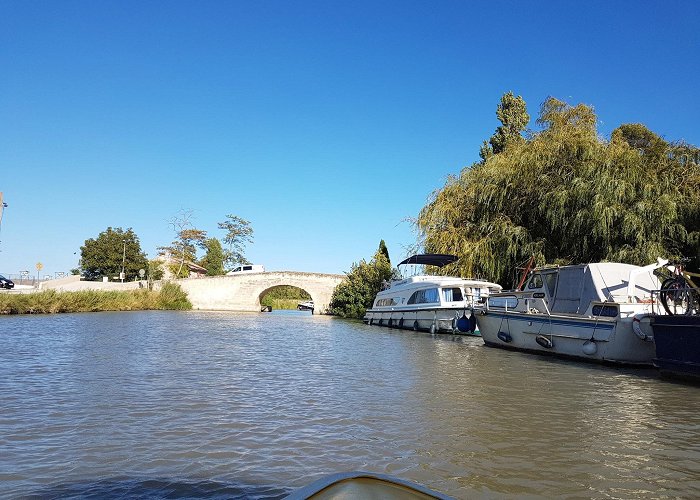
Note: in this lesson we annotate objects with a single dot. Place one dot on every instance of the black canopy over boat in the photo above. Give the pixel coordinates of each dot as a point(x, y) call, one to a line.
point(430, 259)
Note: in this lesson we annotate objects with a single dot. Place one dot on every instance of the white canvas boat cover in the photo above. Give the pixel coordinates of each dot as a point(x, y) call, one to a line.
point(578, 286)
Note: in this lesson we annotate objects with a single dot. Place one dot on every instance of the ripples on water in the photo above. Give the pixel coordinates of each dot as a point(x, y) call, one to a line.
point(167, 404)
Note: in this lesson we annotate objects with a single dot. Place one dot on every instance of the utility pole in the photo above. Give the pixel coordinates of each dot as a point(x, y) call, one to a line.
point(2, 207)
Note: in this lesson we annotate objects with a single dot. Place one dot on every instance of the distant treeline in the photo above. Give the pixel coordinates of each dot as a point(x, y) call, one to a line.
point(284, 297)
point(169, 297)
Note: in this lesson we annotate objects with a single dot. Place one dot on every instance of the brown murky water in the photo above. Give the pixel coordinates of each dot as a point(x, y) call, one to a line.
point(166, 404)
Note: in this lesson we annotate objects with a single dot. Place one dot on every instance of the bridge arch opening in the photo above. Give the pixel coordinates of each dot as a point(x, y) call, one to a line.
point(283, 297)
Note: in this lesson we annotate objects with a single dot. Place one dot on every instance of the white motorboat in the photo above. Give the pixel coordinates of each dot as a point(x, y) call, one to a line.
point(307, 305)
point(430, 303)
point(597, 312)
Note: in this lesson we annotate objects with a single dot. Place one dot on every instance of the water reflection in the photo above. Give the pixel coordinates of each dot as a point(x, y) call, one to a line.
point(259, 404)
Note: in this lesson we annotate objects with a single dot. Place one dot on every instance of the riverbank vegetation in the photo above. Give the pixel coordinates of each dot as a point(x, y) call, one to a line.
point(355, 294)
point(169, 297)
point(565, 195)
point(284, 297)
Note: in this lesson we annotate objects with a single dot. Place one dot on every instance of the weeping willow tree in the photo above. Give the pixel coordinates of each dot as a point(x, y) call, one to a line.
point(565, 195)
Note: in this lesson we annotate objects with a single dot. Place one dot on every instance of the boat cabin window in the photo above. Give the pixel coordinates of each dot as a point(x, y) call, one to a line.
point(509, 302)
point(609, 311)
point(385, 302)
point(473, 292)
point(427, 296)
point(452, 295)
point(550, 279)
point(535, 281)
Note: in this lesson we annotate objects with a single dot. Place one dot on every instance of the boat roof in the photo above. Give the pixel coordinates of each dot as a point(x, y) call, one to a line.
point(428, 281)
point(579, 285)
point(430, 259)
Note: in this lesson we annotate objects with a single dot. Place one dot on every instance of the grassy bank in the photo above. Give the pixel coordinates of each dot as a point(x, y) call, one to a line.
point(278, 304)
point(169, 297)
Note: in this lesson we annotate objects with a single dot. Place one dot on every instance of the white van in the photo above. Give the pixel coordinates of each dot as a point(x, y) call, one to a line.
point(247, 268)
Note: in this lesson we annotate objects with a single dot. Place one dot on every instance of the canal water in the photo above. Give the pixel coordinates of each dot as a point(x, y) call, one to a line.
point(224, 405)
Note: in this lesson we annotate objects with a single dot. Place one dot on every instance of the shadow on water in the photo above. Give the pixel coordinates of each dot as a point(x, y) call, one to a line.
point(156, 489)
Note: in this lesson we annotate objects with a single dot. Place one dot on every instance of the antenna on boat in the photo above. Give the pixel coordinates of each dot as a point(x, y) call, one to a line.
point(526, 271)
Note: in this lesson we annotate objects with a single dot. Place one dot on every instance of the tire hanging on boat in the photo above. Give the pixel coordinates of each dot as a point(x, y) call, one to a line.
point(463, 324)
point(544, 341)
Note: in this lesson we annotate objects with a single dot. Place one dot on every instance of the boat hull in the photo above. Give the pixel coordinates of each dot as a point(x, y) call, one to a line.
point(677, 341)
point(434, 320)
point(588, 339)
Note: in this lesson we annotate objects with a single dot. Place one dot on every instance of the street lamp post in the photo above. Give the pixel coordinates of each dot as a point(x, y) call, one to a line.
point(123, 261)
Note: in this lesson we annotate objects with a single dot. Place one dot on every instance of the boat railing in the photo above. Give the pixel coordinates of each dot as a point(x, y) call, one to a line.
point(501, 303)
point(537, 306)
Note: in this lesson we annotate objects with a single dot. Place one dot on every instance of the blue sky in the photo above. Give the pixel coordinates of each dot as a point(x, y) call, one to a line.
point(325, 123)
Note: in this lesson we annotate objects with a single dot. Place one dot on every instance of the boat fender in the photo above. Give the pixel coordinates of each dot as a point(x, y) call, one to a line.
point(589, 347)
point(472, 323)
point(463, 324)
point(544, 341)
point(401, 323)
point(637, 327)
point(371, 321)
point(381, 322)
point(415, 326)
point(433, 329)
point(505, 337)
point(390, 324)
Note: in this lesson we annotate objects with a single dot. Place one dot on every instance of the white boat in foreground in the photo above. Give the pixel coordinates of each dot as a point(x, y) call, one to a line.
point(430, 303)
point(597, 312)
point(364, 485)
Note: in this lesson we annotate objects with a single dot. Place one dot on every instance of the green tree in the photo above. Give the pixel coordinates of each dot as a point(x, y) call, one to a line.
point(565, 195)
point(238, 234)
point(355, 294)
point(384, 250)
point(213, 260)
point(154, 270)
point(512, 113)
point(104, 255)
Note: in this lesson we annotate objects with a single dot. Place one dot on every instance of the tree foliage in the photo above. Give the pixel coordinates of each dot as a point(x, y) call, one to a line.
point(565, 195)
point(184, 247)
point(238, 235)
point(213, 260)
point(355, 294)
point(103, 256)
point(384, 250)
point(512, 113)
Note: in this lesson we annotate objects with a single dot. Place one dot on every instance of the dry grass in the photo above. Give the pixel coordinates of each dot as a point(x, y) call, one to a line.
point(169, 297)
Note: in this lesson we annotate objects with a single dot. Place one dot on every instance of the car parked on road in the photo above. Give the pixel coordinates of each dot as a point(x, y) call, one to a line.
point(6, 282)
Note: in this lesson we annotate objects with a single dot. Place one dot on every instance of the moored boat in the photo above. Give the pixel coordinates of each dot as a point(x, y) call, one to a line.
point(438, 304)
point(596, 312)
point(677, 339)
point(307, 305)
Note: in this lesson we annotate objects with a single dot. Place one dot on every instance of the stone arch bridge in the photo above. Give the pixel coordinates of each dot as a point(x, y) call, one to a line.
point(242, 292)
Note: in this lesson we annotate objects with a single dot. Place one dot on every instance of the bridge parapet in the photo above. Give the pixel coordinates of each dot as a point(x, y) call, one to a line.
point(243, 292)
